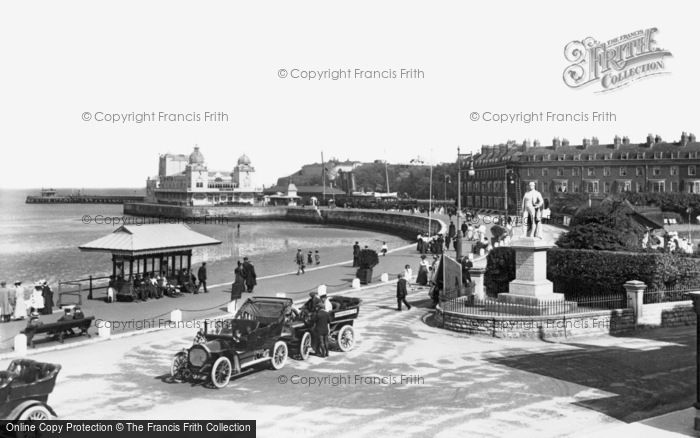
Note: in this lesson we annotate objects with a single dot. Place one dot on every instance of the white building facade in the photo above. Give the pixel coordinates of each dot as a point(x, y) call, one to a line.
point(186, 180)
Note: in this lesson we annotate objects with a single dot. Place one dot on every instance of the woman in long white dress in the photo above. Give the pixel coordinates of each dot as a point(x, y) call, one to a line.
point(20, 311)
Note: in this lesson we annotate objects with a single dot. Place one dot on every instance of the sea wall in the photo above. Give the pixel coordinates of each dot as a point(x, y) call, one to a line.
point(402, 224)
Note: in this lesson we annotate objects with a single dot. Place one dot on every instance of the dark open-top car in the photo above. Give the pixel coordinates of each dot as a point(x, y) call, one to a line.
point(25, 389)
point(263, 331)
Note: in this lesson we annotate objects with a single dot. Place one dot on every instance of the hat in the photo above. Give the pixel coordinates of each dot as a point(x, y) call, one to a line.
point(17, 283)
point(312, 293)
point(322, 290)
point(423, 256)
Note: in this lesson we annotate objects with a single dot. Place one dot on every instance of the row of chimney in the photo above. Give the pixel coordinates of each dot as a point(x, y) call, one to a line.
point(593, 141)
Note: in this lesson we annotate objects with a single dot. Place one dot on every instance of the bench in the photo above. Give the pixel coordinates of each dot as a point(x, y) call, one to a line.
point(60, 329)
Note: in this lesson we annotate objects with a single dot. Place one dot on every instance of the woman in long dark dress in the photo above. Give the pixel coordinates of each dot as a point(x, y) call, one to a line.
point(47, 294)
point(238, 286)
point(422, 277)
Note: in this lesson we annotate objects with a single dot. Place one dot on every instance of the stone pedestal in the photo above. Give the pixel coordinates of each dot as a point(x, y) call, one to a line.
point(531, 291)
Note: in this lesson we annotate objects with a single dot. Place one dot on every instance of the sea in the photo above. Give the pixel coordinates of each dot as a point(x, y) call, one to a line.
point(40, 241)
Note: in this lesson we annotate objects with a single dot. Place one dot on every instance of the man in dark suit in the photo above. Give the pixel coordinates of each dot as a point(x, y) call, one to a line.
point(251, 278)
point(401, 292)
point(356, 255)
point(321, 329)
point(202, 276)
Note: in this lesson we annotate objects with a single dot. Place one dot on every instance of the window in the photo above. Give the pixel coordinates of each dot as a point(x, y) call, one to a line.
point(658, 155)
point(591, 157)
point(548, 157)
point(624, 186)
point(574, 187)
point(691, 170)
point(561, 157)
point(591, 171)
point(656, 171)
point(577, 157)
point(606, 171)
point(658, 186)
point(624, 155)
point(200, 184)
point(529, 172)
point(575, 171)
point(641, 155)
point(545, 171)
point(693, 186)
point(639, 171)
point(623, 171)
point(674, 186)
point(560, 172)
point(561, 186)
point(673, 170)
point(591, 186)
point(606, 187)
point(639, 187)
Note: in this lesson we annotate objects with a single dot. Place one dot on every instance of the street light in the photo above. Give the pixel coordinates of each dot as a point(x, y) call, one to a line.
point(447, 179)
point(470, 172)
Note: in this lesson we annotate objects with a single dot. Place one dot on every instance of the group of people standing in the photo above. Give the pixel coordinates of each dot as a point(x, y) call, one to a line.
point(302, 261)
point(20, 302)
point(319, 308)
point(246, 279)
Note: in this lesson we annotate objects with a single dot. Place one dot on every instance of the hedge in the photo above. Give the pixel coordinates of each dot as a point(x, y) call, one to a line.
point(580, 272)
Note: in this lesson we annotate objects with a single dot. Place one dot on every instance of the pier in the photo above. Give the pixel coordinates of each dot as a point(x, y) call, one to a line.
point(84, 199)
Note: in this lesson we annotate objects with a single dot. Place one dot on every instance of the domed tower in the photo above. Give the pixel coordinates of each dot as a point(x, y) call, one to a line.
point(196, 157)
point(243, 173)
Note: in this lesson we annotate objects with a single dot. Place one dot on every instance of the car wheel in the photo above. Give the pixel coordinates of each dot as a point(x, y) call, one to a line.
point(279, 355)
point(305, 346)
point(346, 338)
point(35, 413)
point(178, 366)
point(221, 372)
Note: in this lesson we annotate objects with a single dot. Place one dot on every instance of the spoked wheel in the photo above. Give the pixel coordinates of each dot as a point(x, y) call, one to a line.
point(305, 346)
point(221, 372)
point(346, 338)
point(279, 355)
point(35, 413)
point(179, 365)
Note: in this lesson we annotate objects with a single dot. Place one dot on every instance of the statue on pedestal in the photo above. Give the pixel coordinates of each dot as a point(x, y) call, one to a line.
point(532, 212)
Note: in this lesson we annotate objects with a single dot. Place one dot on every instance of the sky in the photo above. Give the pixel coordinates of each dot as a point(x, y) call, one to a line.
point(64, 62)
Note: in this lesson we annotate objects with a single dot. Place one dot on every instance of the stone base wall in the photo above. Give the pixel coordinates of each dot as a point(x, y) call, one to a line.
point(542, 327)
point(672, 314)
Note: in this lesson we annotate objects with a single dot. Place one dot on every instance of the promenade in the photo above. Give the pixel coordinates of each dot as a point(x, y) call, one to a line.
point(436, 382)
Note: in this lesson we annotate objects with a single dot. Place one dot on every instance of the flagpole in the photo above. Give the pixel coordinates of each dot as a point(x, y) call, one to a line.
point(323, 176)
point(430, 196)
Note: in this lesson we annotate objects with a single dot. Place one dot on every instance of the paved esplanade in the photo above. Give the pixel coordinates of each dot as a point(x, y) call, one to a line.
point(435, 382)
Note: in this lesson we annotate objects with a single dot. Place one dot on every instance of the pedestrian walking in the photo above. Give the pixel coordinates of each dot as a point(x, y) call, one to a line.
point(401, 292)
point(5, 306)
point(20, 309)
point(385, 249)
point(202, 276)
point(238, 286)
point(422, 277)
point(299, 259)
point(356, 255)
point(310, 258)
point(318, 258)
point(251, 277)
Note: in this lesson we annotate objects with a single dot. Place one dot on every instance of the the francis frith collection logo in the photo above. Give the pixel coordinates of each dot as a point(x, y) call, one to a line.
point(614, 63)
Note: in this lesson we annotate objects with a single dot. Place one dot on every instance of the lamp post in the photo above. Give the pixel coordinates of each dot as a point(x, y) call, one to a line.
point(447, 179)
point(470, 172)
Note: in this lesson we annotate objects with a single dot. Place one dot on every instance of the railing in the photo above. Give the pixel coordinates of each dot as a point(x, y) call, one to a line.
point(76, 287)
point(669, 295)
point(493, 307)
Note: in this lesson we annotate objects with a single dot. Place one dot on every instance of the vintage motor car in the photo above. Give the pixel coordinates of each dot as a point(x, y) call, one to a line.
point(24, 390)
point(264, 330)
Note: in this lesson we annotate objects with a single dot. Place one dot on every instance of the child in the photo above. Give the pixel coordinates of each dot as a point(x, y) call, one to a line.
point(408, 273)
point(384, 249)
point(318, 258)
point(309, 259)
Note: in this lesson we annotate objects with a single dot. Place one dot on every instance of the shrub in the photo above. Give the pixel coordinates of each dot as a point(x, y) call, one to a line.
point(500, 270)
point(368, 258)
point(577, 272)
